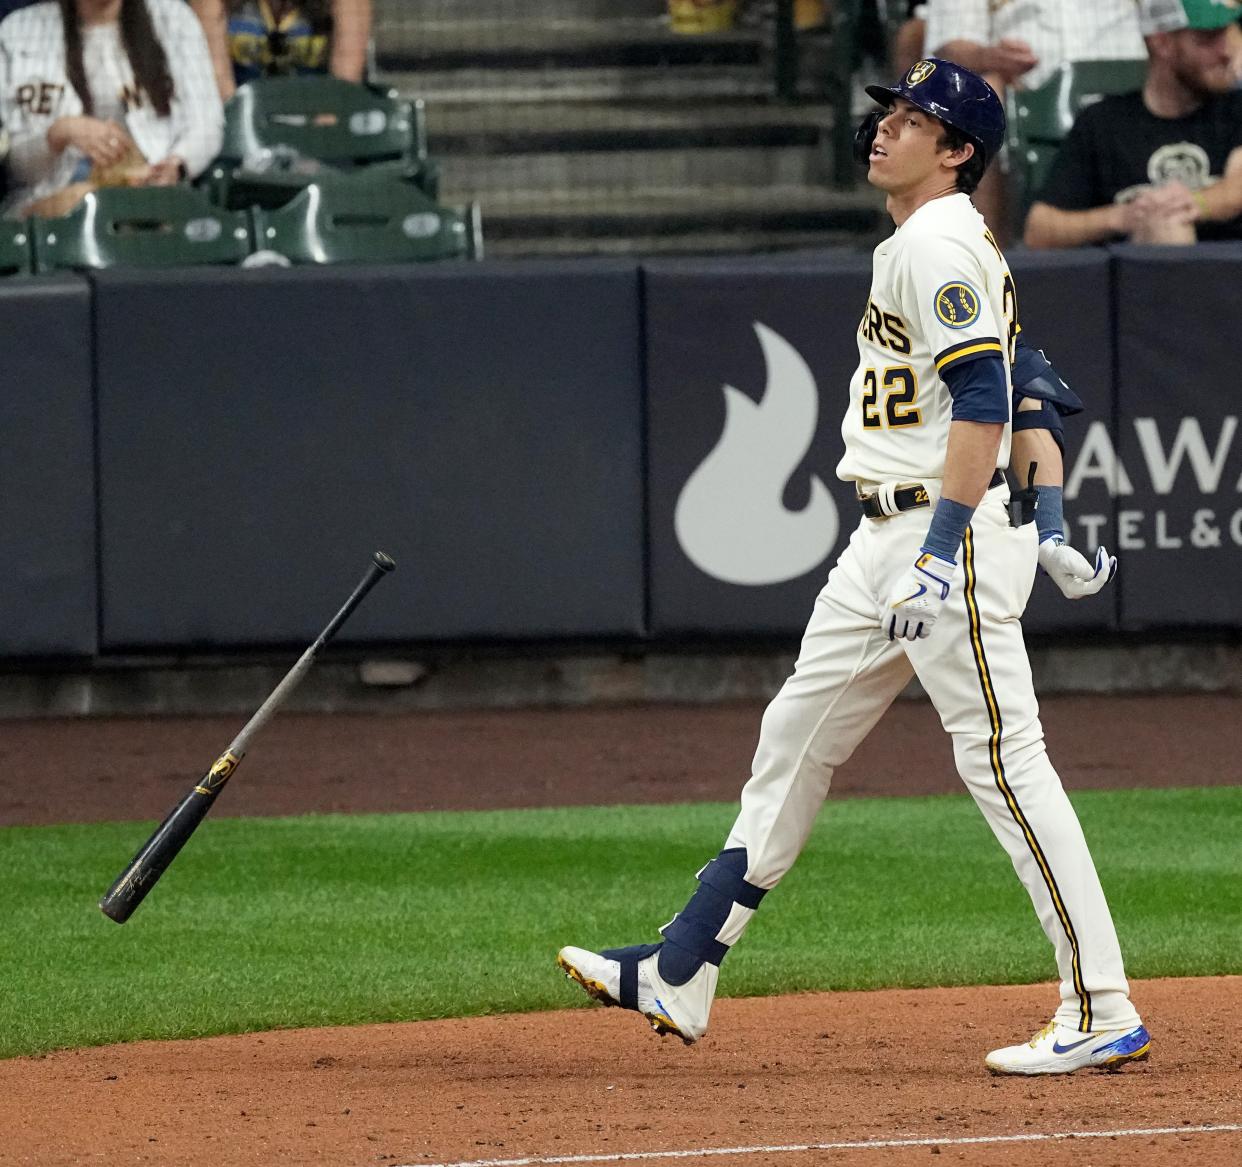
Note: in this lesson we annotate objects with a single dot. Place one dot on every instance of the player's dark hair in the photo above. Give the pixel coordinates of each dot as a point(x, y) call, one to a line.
point(970, 171)
point(143, 48)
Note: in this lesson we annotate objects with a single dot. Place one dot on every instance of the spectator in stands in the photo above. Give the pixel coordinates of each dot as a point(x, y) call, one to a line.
point(273, 38)
point(104, 92)
point(1163, 164)
point(909, 45)
point(1012, 42)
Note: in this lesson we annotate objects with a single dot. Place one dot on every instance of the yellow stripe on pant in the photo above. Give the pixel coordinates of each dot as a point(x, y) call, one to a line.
point(998, 771)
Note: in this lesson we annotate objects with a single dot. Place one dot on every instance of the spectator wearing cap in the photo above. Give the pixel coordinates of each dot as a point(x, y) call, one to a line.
point(1162, 164)
point(1022, 43)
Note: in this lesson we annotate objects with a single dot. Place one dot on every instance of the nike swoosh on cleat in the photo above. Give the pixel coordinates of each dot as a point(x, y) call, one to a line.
point(665, 1017)
point(1058, 1048)
point(663, 1023)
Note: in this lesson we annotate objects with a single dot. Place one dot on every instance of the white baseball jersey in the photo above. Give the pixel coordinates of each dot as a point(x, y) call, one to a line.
point(941, 295)
point(35, 91)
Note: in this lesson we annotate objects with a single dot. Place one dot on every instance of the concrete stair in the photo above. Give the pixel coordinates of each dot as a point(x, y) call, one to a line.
point(417, 13)
point(581, 130)
point(681, 221)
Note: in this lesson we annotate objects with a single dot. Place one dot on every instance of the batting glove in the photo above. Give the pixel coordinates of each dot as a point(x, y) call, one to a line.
point(1071, 572)
point(915, 602)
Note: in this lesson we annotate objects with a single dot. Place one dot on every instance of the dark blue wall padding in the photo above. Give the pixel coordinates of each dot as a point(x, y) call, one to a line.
point(262, 432)
point(1065, 305)
point(745, 524)
point(48, 594)
point(1179, 507)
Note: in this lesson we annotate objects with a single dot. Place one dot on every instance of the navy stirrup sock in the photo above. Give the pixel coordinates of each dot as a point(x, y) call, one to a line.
point(690, 938)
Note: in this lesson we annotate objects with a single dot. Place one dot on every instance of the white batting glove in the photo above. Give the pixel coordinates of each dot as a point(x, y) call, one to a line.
point(915, 602)
point(1071, 572)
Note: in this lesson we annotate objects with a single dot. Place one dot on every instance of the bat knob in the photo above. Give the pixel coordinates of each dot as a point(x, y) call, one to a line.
point(384, 562)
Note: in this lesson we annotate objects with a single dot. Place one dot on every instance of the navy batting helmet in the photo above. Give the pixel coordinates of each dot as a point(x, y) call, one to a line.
point(953, 95)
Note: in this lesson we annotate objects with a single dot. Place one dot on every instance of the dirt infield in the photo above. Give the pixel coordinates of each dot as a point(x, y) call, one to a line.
point(815, 1068)
point(119, 769)
point(900, 1072)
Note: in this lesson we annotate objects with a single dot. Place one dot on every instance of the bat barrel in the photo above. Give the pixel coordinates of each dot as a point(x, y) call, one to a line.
point(130, 889)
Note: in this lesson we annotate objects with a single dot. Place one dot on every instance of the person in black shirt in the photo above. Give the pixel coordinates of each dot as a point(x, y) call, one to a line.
point(1162, 165)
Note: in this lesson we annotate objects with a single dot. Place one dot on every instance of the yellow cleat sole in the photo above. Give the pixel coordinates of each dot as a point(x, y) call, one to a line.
point(660, 1022)
point(594, 989)
point(1139, 1055)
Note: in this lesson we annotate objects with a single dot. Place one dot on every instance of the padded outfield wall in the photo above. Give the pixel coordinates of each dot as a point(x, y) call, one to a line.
point(553, 451)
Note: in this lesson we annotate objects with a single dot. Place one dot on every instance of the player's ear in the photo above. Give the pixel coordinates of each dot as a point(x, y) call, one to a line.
point(959, 155)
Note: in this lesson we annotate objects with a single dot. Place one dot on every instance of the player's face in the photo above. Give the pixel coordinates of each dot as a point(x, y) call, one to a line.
point(1203, 61)
point(906, 151)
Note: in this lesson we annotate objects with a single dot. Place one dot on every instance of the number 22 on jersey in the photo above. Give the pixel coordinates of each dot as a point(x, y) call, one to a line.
point(901, 391)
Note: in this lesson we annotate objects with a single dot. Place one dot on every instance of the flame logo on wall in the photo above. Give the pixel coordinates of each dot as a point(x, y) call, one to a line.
point(730, 520)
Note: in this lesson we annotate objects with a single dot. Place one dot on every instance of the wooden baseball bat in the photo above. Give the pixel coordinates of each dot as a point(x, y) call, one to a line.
point(152, 860)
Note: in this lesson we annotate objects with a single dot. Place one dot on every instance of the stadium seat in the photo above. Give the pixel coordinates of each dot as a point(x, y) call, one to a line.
point(141, 227)
point(279, 132)
point(1039, 119)
point(16, 253)
point(345, 221)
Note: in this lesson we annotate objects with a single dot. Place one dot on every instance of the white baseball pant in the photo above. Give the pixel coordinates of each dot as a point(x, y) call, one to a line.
point(974, 668)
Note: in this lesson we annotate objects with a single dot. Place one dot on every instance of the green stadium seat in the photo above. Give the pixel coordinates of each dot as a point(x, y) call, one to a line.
point(167, 226)
point(335, 121)
point(1039, 119)
point(345, 221)
point(16, 252)
point(273, 123)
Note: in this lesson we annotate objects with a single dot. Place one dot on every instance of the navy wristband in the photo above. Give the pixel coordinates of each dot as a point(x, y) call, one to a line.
point(948, 529)
point(1049, 513)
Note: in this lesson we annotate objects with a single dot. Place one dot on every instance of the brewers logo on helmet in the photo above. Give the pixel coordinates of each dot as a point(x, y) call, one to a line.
point(953, 95)
point(920, 71)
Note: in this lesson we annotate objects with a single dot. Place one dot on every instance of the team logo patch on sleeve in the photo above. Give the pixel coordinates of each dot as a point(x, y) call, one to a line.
point(957, 305)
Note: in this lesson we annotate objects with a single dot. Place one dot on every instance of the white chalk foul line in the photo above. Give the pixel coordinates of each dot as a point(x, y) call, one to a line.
point(863, 1145)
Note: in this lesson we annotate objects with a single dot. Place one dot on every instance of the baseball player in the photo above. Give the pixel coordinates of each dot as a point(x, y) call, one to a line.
point(934, 581)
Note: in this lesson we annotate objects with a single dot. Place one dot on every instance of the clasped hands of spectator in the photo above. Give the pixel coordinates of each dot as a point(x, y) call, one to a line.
point(1160, 214)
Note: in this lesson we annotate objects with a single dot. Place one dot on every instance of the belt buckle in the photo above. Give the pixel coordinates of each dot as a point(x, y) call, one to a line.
point(867, 499)
point(885, 497)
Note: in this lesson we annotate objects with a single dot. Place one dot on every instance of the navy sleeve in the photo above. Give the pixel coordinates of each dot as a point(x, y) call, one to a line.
point(979, 389)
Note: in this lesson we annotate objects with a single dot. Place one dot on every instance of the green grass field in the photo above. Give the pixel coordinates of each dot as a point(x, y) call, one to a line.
point(325, 920)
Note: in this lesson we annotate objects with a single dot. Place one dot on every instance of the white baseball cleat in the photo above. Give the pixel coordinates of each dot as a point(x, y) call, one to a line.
point(630, 978)
point(1058, 1049)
